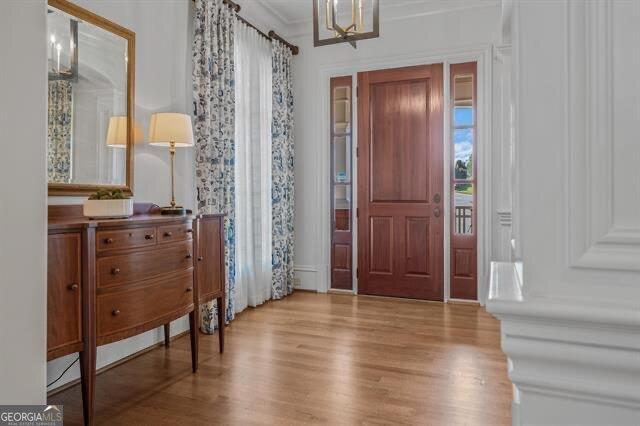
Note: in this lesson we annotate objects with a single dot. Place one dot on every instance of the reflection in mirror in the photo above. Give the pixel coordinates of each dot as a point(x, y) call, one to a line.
point(87, 71)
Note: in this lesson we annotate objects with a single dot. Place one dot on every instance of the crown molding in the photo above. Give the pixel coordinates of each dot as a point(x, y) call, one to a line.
point(263, 15)
point(395, 12)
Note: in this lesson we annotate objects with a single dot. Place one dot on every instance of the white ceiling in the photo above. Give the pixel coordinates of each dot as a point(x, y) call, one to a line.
point(294, 17)
point(298, 11)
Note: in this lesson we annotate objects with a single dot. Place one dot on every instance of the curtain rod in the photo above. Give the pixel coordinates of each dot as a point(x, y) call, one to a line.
point(272, 34)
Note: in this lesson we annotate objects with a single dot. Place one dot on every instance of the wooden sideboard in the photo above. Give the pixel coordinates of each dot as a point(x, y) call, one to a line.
point(108, 280)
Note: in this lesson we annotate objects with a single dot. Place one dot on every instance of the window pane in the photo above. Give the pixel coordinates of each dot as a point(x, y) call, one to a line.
point(463, 208)
point(342, 110)
point(463, 153)
point(342, 159)
point(342, 207)
point(462, 116)
point(463, 100)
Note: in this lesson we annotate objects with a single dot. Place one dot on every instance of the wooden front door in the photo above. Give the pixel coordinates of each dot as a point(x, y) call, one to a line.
point(400, 145)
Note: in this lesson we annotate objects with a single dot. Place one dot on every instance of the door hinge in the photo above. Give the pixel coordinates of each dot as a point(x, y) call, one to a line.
point(357, 273)
point(357, 91)
point(357, 152)
point(357, 212)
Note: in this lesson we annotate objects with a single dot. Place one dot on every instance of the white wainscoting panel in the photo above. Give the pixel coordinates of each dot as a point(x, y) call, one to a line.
point(603, 108)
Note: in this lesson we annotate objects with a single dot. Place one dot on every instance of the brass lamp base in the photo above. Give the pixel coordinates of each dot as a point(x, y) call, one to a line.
point(174, 211)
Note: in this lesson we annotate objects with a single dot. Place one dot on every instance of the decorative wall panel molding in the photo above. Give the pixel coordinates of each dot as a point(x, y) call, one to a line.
point(603, 202)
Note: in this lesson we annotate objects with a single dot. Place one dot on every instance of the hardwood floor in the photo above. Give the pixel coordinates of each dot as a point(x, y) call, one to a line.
point(319, 359)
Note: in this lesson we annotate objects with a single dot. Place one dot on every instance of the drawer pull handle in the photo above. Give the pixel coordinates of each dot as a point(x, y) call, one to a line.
point(148, 237)
point(188, 255)
point(115, 312)
point(200, 258)
point(189, 289)
point(108, 240)
point(73, 287)
point(189, 230)
point(115, 271)
point(168, 234)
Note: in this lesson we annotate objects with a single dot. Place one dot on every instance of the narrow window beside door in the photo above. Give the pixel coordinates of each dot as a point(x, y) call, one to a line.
point(463, 181)
point(341, 205)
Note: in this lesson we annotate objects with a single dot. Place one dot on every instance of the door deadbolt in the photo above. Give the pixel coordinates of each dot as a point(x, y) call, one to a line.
point(436, 199)
point(436, 212)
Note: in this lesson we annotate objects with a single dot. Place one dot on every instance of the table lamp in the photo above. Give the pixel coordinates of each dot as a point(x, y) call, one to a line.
point(175, 131)
point(117, 132)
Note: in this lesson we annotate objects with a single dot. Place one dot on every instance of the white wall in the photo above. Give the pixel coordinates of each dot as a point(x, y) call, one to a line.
point(23, 118)
point(163, 83)
point(435, 34)
point(570, 305)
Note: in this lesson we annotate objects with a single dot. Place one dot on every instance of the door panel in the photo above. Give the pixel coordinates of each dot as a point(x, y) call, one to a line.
point(342, 257)
point(417, 245)
point(381, 244)
point(64, 291)
point(400, 170)
point(399, 141)
point(210, 274)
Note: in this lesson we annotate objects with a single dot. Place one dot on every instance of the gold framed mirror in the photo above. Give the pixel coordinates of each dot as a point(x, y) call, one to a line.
point(91, 127)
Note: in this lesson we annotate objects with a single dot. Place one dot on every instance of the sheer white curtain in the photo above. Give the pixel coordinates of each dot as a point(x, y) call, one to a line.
point(253, 75)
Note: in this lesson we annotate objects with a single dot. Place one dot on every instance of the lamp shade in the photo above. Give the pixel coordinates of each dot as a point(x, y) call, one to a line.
point(167, 127)
point(117, 132)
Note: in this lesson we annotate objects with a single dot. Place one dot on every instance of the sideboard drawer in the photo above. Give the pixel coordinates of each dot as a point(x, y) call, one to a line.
point(170, 233)
point(125, 238)
point(144, 306)
point(144, 264)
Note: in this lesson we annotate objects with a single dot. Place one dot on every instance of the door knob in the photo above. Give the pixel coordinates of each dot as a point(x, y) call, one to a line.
point(436, 212)
point(115, 271)
point(73, 287)
point(115, 312)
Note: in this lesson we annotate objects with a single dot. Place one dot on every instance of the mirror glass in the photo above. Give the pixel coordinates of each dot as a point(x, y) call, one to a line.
point(87, 104)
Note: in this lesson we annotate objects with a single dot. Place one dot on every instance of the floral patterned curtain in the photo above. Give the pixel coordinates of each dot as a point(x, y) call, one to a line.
point(214, 111)
point(59, 140)
point(282, 172)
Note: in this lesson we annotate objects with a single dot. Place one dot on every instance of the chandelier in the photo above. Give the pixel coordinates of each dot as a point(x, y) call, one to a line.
point(345, 21)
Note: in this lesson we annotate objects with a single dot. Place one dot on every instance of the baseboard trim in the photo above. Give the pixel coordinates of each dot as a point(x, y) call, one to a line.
point(304, 290)
point(463, 302)
point(115, 364)
point(341, 291)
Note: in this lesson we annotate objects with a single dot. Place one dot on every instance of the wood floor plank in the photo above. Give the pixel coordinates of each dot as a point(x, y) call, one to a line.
point(319, 359)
